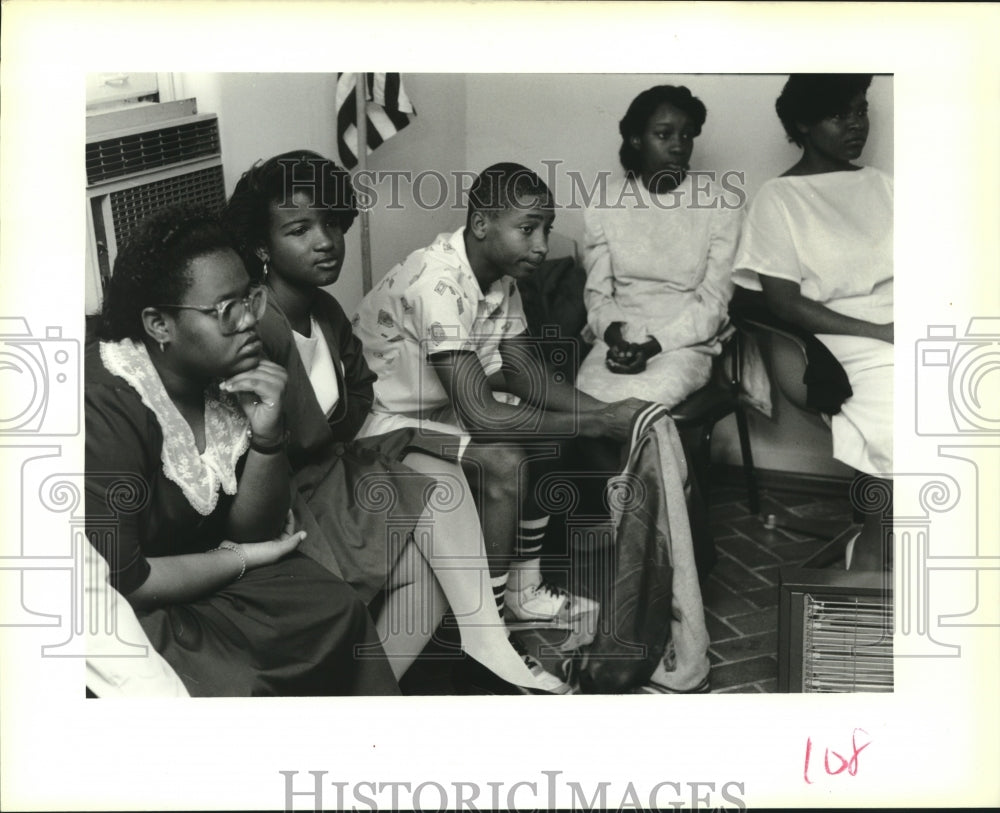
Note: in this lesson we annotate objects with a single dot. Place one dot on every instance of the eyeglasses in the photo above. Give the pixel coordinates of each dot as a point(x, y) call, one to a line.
point(231, 312)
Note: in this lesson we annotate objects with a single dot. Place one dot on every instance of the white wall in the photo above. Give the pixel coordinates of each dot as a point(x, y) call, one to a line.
point(466, 122)
point(261, 115)
point(534, 118)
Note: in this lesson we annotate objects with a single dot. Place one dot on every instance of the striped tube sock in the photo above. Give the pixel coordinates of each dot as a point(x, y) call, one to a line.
point(530, 533)
point(526, 569)
point(499, 584)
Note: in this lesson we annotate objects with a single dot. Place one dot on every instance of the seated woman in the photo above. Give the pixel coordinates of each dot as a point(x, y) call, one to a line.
point(289, 215)
point(187, 485)
point(818, 242)
point(658, 251)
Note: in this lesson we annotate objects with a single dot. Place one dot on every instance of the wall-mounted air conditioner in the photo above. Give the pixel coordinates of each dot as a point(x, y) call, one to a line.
point(834, 631)
point(139, 160)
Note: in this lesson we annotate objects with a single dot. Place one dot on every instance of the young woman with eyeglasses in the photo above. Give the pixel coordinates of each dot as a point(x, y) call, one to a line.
point(188, 484)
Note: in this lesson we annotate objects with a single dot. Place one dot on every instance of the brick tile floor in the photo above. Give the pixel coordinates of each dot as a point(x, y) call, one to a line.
point(741, 594)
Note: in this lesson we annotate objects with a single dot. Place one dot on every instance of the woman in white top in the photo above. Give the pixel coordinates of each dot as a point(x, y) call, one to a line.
point(658, 253)
point(397, 522)
point(818, 243)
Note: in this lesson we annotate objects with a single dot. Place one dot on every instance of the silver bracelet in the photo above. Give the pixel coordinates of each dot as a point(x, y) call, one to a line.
point(227, 545)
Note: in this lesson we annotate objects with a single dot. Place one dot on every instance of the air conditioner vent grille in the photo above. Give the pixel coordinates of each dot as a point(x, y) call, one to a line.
point(126, 155)
point(847, 645)
point(130, 206)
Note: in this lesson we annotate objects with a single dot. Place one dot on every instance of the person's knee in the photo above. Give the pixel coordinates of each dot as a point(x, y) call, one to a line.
point(330, 599)
point(503, 472)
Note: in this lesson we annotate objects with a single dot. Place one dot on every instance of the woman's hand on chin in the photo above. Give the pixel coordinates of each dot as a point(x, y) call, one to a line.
point(260, 392)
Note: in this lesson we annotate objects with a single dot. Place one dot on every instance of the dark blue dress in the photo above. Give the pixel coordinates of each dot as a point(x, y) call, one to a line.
point(289, 628)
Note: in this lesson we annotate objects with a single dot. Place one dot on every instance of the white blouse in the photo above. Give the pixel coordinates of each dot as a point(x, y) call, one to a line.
point(662, 264)
point(318, 361)
point(831, 233)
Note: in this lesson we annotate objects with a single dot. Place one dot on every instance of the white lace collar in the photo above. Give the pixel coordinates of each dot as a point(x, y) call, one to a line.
point(226, 428)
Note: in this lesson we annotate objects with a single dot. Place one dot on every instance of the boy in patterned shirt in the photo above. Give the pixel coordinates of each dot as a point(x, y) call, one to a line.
point(445, 332)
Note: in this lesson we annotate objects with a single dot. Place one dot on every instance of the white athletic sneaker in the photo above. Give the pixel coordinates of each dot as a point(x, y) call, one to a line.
point(548, 603)
point(546, 680)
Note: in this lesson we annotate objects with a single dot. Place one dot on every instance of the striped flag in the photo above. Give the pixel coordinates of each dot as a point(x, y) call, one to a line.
point(387, 106)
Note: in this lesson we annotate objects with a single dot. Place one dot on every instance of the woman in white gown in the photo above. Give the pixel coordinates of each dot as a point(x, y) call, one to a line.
point(658, 253)
point(818, 243)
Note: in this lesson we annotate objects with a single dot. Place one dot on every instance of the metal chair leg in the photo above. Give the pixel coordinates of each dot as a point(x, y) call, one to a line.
point(749, 473)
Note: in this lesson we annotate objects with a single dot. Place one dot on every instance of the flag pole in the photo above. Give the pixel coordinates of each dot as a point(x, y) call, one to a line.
point(360, 92)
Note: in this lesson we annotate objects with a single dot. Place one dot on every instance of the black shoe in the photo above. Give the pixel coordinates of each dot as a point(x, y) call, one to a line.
point(469, 676)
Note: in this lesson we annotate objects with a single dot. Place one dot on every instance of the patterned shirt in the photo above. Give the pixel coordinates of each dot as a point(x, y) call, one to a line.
point(431, 303)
